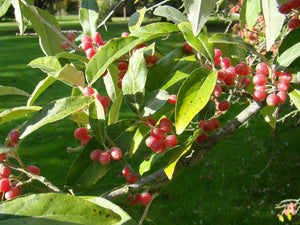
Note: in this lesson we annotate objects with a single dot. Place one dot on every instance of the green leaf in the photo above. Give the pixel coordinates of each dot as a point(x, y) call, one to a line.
point(80, 117)
point(170, 13)
point(154, 101)
point(5, 90)
point(295, 97)
point(137, 139)
point(146, 165)
point(111, 82)
point(193, 96)
point(110, 52)
point(4, 6)
point(208, 111)
point(200, 43)
point(20, 9)
point(198, 12)
point(72, 56)
point(136, 19)
point(125, 218)
point(54, 111)
point(133, 84)
point(289, 56)
point(274, 21)
point(71, 76)
point(54, 208)
point(88, 16)
point(40, 88)
point(14, 113)
point(114, 111)
point(252, 12)
point(267, 113)
point(281, 218)
point(47, 64)
point(243, 14)
point(97, 120)
point(4, 149)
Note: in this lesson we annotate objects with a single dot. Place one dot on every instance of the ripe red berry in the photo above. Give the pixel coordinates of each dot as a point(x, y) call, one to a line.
point(3, 157)
point(152, 59)
point(65, 45)
point(104, 74)
point(11, 193)
point(97, 38)
point(285, 77)
point(216, 123)
point(94, 156)
point(88, 91)
point(222, 74)
point(104, 158)
point(172, 99)
point(171, 141)
point(149, 141)
point(208, 125)
point(125, 172)
point(157, 133)
point(4, 172)
point(217, 61)
point(71, 36)
point(260, 88)
point(151, 122)
point(246, 82)
point(4, 185)
point(115, 153)
point(121, 74)
point(19, 187)
point(217, 92)
point(34, 169)
point(187, 47)
point(201, 138)
point(283, 86)
point(14, 136)
point(224, 105)
point(131, 179)
point(285, 8)
point(105, 101)
point(239, 69)
point(225, 62)
point(120, 84)
point(145, 198)
point(90, 53)
point(134, 199)
point(246, 68)
point(86, 45)
point(259, 95)
point(85, 140)
point(295, 4)
point(86, 38)
point(157, 145)
point(122, 66)
point(294, 23)
point(282, 95)
point(262, 68)
point(259, 80)
point(165, 125)
point(272, 99)
point(200, 124)
point(218, 53)
point(80, 133)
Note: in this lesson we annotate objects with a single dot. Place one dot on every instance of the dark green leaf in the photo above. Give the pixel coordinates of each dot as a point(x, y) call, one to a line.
point(193, 96)
point(12, 91)
point(88, 16)
point(54, 208)
point(154, 101)
point(54, 111)
point(208, 111)
point(136, 19)
point(114, 111)
point(14, 113)
point(170, 13)
point(97, 120)
point(267, 113)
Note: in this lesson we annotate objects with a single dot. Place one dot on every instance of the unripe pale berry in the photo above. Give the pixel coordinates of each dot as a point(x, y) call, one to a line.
point(94, 156)
point(115, 153)
point(171, 141)
point(104, 158)
point(80, 133)
point(187, 47)
point(145, 198)
point(34, 169)
point(224, 105)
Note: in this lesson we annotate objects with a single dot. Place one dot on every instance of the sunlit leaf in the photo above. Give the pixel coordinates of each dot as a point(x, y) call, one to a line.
point(6, 90)
point(170, 13)
point(136, 19)
point(88, 16)
point(14, 113)
point(97, 120)
point(295, 97)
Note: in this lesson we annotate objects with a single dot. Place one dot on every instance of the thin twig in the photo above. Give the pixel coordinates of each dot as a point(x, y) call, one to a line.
point(110, 14)
point(147, 209)
point(158, 4)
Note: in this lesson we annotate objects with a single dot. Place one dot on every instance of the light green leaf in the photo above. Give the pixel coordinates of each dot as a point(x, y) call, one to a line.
point(14, 113)
point(80, 117)
point(71, 76)
point(19, 15)
point(54, 208)
point(198, 12)
point(114, 111)
point(40, 88)
point(136, 19)
point(47, 64)
point(154, 101)
point(97, 120)
point(5, 90)
point(54, 111)
point(111, 82)
point(138, 137)
point(72, 56)
point(88, 16)
point(200, 43)
point(295, 97)
point(193, 96)
point(170, 13)
point(268, 112)
point(274, 21)
point(146, 165)
point(4, 6)
point(289, 55)
point(252, 12)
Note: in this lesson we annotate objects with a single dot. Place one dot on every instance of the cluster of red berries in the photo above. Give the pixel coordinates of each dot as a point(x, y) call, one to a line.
point(207, 125)
point(129, 177)
point(81, 133)
point(91, 45)
point(143, 198)
point(103, 157)
point(158, 140)
point(104, 100)
point(292, 6)
point(71, 37)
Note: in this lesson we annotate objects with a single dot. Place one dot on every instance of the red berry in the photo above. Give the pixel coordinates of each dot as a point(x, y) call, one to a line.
point(151, 122)
point(218, 53)
point(122, 66)
point(115, 153)
point(149, 141)
point(283, 86)
point(88, 91)
point(86, 38)
point(14, 136)
point(171, 141)
point(94, 156)
point(90, 53)
point(104, 158)
point(120, 84)
point(217, 61)
point(4, 185)
point(295, 4)
point(246, 68)
point(282, 95)
point(125, 34)
point(85, 140)
point(165, 125)
point(104, 74)
point(172, 99)
point(260, 88)
point(259, 95)
point(157, 133)
point(217, 92)
point(80, 133)
point(3, 157)
point(19, 187)
point(135, 200)
point(216, 123)
point(4, 171)
point(157, 145)
point(121, 74)
point(187, 47)
point(285, 8)
point(201, 123)
point(224, 105)
point(201, 138)
point(97, 38)
point(65, 45)
point(208, 125)
point(152, 59)
point(262, 68)
point(11, 193)
point(34, 169)
point(145, 198)
point(272, 99)
point(246, 82)
point(225, 62)
point(131, 179)
point(105, 101)
point(125, 172)
point(294, 23)
point(87, 45)
point(239, 69)
point(259, 80)
point(285, 77)
point(71, 36)
point(222, 74)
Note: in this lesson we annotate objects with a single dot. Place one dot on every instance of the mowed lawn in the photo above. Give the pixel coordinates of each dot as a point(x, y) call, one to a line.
point(239, 182)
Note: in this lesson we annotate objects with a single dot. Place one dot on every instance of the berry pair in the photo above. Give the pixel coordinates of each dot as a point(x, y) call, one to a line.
point(143, 198)
point(130, 178)
point(103, 157)
point(81, 133)
point(207, 125)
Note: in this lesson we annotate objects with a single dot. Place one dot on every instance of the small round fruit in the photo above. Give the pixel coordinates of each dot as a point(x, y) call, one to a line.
point(86, 38)
point(259, 95)
point(208, 125)
point(125, 34)
point(201, 138)
point(187, 47)
point(294, 23)
point(285, 8)
point(131, 179)
point(283, 86)
point(224, 105)
point(259, 80)
point(104, 158)
point(94, 156)
point(3, 157)
point(225, 62)
point(14, 136)
point(145, 198)
point(5, 172)
point(222, 74)
point(157, 133)
point(218, 53)
point(282, 95)
point(86, 45)
point(246, 82)
point(125, 172)
point(165, 125)
point(34, 169)
point(295, 4)
point(285, 77)
point(4, 185)
point(65, 45)
point(149, 141)
point(262, 68)
point(171, 141)
point(90, 53)
point(172, 99)
point(85, 140)
point(11, 193)
point(88, 91)
point(80, 133)
point(135, 200)
point(97, 38)
point(122, 66)
point(216, 123)
point(71, 36)
point(272, 99)
point(115, 153)
point(217, 92)
point(151, 122)
point(157, 145)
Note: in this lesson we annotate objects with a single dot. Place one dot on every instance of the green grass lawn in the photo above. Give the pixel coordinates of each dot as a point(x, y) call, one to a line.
point(224, 189)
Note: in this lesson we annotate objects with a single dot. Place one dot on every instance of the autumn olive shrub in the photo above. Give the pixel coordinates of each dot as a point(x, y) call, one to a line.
point(175, 100)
